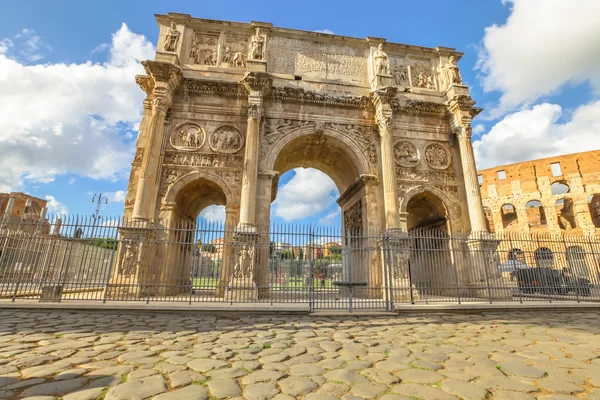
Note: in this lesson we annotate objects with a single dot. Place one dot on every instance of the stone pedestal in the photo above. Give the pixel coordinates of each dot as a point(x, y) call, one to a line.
point(382, 80)
point(482, 279)
point(256, 65)
point(132, 276)
point(242, 283)
point(167, 56)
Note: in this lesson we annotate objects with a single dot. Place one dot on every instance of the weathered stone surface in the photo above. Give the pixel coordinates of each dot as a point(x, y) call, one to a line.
point(464, 390)
point(347, 376)
point(422, 392)
point(54, 388)
point(206, 364)
point(223, 388)
point(193, 392)
point(86, 394)
point(297, 386)
point(260, 391)
point(138, 389)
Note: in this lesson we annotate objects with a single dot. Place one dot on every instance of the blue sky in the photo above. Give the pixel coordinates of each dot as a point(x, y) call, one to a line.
point(69, 110)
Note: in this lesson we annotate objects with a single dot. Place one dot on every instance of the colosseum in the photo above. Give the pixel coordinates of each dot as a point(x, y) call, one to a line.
point(554, 201)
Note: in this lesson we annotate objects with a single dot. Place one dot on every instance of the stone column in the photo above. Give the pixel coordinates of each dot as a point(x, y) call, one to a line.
point(383, 115)
point(258, 85)
point(159, 85)
point(467, 159)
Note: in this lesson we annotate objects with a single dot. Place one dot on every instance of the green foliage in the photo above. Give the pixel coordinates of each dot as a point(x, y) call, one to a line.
point(107, 243)
point(287, 255)
point(209, 248)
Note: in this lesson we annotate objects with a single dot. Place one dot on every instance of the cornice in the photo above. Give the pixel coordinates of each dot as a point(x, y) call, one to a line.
point(357, 185)
point(299, 95)
point(217, 88)
point(420, 107)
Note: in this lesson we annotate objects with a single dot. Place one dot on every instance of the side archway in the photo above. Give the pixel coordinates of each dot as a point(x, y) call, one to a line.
point(423, 195)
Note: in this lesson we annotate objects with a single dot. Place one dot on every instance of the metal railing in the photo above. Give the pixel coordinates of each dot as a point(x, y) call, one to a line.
point(320, 267)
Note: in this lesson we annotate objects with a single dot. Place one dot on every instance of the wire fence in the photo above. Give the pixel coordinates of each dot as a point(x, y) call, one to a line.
point(111, 260)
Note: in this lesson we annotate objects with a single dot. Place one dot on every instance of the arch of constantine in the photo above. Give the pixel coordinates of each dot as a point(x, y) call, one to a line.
point(232, 106)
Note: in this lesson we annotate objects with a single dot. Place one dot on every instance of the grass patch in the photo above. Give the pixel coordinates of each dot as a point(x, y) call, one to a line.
point(201, 383)
point(499, 367)
point(414, 366)
point(58, 335)
point(124, 378)
point(266, 345)
point(103, 394)
point(437, 384)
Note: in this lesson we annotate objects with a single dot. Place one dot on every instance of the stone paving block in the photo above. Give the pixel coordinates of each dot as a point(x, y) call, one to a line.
point(206, 364)
point(347, 376)
point(464, 390)
point(58, 388)
point(192, 392)
point(422, 392)
point(297, 385)
point(260, 391)
point(85, 394)
point(138, 388)
point(419, 376)
point(223, 388)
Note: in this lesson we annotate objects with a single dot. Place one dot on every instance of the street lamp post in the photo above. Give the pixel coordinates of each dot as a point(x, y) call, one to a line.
point(98, 202)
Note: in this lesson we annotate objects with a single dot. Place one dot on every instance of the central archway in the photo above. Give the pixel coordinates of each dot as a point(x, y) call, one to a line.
point(343, 160)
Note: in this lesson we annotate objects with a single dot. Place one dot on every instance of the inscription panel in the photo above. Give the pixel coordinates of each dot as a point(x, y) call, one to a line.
point(299, 57)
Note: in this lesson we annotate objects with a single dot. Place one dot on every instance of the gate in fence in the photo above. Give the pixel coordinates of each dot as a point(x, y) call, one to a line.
point(320, 268)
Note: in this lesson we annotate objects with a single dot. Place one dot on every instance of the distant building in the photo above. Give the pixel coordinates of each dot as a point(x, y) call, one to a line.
point(547, 195)
point(20, 211)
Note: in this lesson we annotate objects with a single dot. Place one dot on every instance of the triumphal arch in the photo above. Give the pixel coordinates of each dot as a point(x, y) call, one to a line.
point(232, 106)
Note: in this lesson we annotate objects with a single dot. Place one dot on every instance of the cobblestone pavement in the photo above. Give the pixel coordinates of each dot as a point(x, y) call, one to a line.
point(82, 355)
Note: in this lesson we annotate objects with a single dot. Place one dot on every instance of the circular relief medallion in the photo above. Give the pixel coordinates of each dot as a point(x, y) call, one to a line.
point(406, 153)
point(226, 139)
point(188, 137)
point(437, 156)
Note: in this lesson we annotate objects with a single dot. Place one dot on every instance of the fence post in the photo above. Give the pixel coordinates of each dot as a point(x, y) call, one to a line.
point(111, 265)
point(311, 296)
point(20, 270)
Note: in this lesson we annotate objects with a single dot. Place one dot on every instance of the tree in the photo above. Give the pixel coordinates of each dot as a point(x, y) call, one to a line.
point(209, 248)
point(287, 255)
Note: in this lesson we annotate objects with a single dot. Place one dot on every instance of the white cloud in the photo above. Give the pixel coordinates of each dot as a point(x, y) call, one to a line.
point(55, 206)
point(478, 129)
point(536, 133)
point(330, 32)
point(116, 197)
point(213, 214)
point(331, 218)
point(69, 118)
point(307, 194)
point(544, 45)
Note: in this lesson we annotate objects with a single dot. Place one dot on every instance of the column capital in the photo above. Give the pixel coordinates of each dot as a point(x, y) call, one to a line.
point(382, 97)
point(463, 130)
point(257, 83)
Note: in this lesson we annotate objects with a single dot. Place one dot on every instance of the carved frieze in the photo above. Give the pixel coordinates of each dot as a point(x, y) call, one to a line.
point(203, 160)
point(437, 156)
point(187, 137)
point(353, 220)
point(419, 107)
point(226, 89)
point(399, 71)
point(226, 139)
point(300, 95)
point(406, 153)
point(204, 49)
point(233, 51)
point(413, 175)
point(422, 75)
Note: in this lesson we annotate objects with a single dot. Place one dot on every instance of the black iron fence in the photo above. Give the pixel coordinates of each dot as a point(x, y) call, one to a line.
point(79, 258)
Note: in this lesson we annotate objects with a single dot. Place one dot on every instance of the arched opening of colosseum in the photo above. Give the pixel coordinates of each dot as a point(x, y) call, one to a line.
point(344, 165)
point(536, 216)
point(489, 219)
point(559, 187)
point(431, 262)
point(565, 214)
point(516, 254)
point(195, 257)
point(509, 216)
point(544, 257)
point(594, 207)
point(576, 260)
